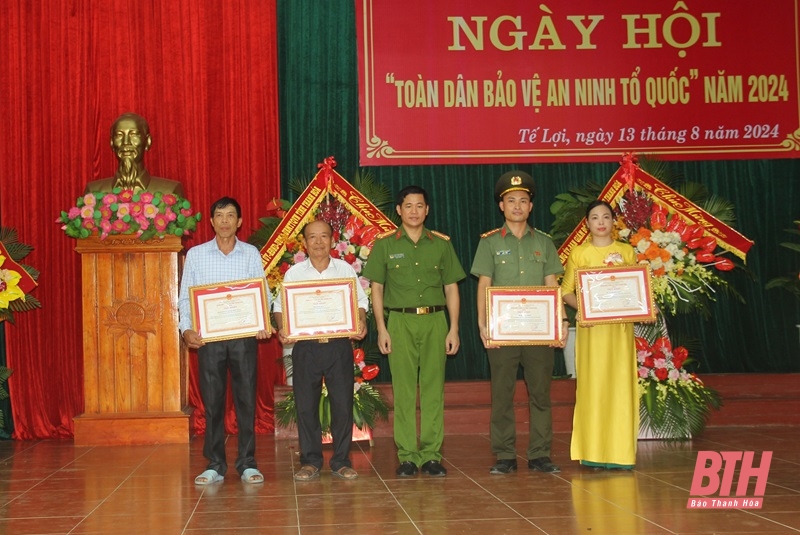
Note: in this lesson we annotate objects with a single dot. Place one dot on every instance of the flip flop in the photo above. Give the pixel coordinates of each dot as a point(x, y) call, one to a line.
point(208, 477)
point(252, 475)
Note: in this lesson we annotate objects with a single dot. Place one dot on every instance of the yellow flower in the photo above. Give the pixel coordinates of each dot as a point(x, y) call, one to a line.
point(9, 291)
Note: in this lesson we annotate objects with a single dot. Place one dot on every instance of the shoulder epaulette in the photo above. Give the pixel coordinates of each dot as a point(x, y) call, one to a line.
point(438, 234)
point(545, 233)
point(385, 234)
point(495, 231)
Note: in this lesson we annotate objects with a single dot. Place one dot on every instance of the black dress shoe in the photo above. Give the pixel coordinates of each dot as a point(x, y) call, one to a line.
point(503, 466)
point(543, 464)
point(407, 469)
point(434, 469)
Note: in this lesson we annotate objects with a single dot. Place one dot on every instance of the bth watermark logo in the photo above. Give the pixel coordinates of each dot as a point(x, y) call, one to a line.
point(716, 493)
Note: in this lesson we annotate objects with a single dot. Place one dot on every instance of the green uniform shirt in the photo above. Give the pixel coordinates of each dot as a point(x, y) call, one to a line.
point(512, 261)
point(413, 274)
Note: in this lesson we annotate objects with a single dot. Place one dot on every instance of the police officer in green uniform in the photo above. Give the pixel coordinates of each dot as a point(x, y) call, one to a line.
point(518, 255)
point(414, 273)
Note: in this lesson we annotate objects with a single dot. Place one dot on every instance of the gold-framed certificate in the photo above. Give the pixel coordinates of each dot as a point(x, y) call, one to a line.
point(523, 315)
point(615, 294)
point(319, 309)
point(236, 309)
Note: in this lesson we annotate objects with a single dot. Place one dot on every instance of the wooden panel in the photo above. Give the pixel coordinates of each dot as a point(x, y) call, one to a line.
point(106, 351)
point(134, 364)
point(171, 360)
point(132, 428)
point(91, 373)
point(138, 341)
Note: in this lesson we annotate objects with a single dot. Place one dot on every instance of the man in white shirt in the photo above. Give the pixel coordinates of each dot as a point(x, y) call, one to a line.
point(316, 359)
point(224, 259)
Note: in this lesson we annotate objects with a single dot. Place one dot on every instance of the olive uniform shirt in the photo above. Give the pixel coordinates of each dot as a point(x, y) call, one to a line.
point(413, 274)
point(510, 261)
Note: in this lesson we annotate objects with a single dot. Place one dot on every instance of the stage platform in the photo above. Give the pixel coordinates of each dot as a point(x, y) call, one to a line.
point(748, 400)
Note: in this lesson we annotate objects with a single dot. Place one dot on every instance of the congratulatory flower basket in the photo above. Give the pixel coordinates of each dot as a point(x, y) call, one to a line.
point(677, 238)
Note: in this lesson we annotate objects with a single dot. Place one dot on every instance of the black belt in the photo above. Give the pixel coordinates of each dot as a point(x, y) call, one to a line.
point(419, 310)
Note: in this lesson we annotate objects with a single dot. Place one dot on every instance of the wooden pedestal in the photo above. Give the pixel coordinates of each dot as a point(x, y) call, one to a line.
point(135, 374)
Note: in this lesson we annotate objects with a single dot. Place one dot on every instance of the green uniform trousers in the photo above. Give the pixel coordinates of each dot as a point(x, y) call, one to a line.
point(418, 354)
point(537, 364)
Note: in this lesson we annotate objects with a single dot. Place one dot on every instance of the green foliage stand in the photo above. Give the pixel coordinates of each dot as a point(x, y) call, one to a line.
point(673, 409)
point(368, 408)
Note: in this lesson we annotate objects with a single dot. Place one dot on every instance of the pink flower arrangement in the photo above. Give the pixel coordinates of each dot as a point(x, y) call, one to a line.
point(661, 361)
point(146, 215)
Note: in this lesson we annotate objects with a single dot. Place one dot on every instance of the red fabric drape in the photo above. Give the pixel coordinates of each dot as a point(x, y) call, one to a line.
point(204, 75)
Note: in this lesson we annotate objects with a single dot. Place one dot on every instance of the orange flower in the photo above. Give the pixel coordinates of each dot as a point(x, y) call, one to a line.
point(653, 251)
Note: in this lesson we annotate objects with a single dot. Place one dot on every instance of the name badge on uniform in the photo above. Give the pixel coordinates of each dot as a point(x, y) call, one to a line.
point(395, 256)
point(503, 253)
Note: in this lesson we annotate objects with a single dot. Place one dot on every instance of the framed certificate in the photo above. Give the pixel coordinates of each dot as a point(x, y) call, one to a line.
point(616, 294)
point(523, 315)
point(236, 309)
point(319, 309)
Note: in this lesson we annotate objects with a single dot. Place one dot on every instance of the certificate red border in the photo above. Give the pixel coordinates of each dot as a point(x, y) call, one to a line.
point(197, 292)
point(320, 334)
point(644, 314)
point(525, 292)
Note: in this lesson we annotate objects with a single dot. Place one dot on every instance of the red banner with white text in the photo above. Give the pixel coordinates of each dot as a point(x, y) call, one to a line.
point(471, 81)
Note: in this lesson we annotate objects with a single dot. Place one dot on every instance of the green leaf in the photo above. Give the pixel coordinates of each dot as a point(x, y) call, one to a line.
point(720, 208)
point(147, 234)
point(791, 246)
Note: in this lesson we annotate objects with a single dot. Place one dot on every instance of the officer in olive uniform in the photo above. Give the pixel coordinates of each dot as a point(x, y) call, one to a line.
point(517, 255)
point(414, 273)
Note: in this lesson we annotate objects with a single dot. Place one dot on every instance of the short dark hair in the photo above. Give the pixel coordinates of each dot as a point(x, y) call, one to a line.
point(596, 203)
point(411, 190)
point(321, 221)
point(224, 202)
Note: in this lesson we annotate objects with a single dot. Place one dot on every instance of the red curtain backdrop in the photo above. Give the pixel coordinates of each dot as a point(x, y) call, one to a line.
point(204, 75)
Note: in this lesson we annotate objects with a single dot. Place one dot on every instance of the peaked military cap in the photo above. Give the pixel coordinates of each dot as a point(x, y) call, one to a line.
point(514, 181)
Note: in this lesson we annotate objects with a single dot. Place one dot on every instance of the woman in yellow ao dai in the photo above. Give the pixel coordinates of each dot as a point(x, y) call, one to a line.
point(606, 421)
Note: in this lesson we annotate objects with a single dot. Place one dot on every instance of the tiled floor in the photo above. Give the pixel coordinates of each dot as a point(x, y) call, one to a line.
point(51, 487)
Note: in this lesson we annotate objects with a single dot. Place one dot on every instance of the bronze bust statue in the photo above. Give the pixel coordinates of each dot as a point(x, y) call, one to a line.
point(130, 138)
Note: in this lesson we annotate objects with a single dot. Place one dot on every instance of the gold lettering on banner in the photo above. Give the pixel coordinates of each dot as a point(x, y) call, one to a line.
point(680, 23)
point(687, 208)
point(506, 33)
